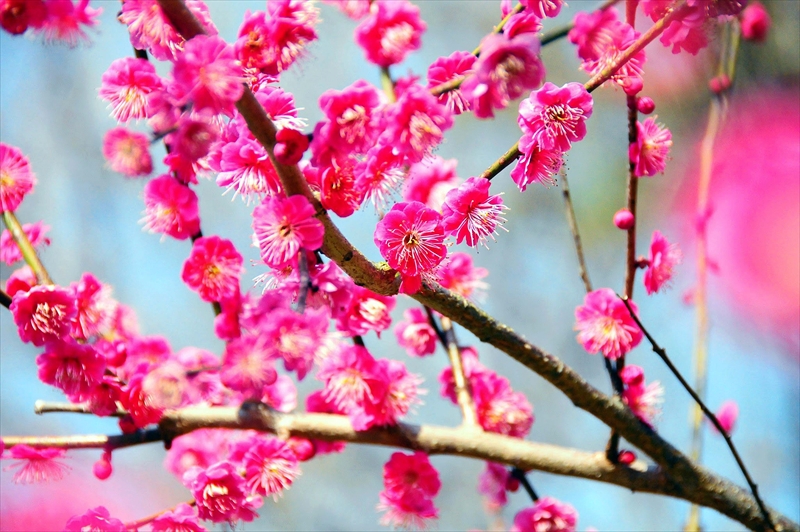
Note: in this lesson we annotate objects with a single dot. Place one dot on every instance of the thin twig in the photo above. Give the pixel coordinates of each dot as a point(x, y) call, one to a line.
point(136, 525)
point(5, 299)
point(438, 330)
point(45, 407)
point(573, 228)
point(91, 441)
point(520, 475)
point(26, 248)
point(387, 83)
point(662, 353)
point(462, 387)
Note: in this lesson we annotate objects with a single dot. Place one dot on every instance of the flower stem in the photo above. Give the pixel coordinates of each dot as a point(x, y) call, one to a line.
point(45, 407)
point(573, 228)
point(520, 475)
point(5, 299)
point(26, 248)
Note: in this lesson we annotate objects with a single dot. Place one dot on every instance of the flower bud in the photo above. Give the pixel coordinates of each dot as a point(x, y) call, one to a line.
point(102, 468)
point(290, 147)
point(626, 457)
point(304, 449)
point(755, 22)
point(719, 84)
point(624, 219)
point(645, 105)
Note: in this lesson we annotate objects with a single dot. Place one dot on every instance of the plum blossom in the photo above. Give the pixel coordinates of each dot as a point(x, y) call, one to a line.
point(65, 21)
point(95, 519)
point(663, 259)
point(213, 268)
point(44, 313)
point(270, 465)
point(352, 124)
point(429, 181)
point(16, 177)
point(459, 275)
point(221, 493)
point(73, 368)
point(444, 69)
point(411, 239)
point(127, 152)
point(644, 400)
point(390, 32)
point(470, 214)
point(651, 151)
point(182, 518)
point(284, 226)
point(126, 86)
point(416, 334)
point(247, 365)
point(755, 22)
point(536, 165)
point(494, 484)
point(170, 208)
point(35, 465)
point(546, 515)
point(605, 325)
point(410, 485)
point(366, 312)
point(555, 117)
point(16, 16)
point(207, 74)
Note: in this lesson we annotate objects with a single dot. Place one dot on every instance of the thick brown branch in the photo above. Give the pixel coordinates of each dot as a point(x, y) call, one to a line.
point(92, 441)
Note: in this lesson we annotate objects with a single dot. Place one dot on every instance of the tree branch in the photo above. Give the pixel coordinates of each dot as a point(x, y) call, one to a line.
point(25, 248)
point(92, 441)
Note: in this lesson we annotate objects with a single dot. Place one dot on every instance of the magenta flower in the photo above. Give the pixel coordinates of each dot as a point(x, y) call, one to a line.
point(727, 414)
point(213, 268)
point(459, 275)
point(201, 448)
point(16, 177)
point(138, 402)
point(493, 484)
point(207, 73)
point(543, 8)
point(183, 518)
point(689, 32)
point(337, 186)
point(379, 175)
point(663, 259)
point(247, 365)
point(35, 465)
point(21, 280)
point(150, 29)
point(16, 16)
point(65, 19)
point(221, 494)
point(755, 22)
point(651, 151)
point(410, 485)
point(73, 368)
point(366, 312)
point(555, 117)
point(536, 165)
point(245, 168)
point(546, 515)
point(281, 395)
point(523, 22)
point(624, 219)
point(456, 65)
point(644, 400)
point(401, 395)
point(127, 152)
point(415, 333)
point(470, 213)
point(44, 314)
point(429, 181)
point(352, 117)
point(507, 67)
point(284, 226)
point(170, 208)
point(192, 140)
point(297, 338)
point(416, 123)
point(390, 32)
point(270, 465)
point(316, 402)
point(37, 235)
point(500, 409)
point(98, 519)
point(126, 85)
point(605, 324)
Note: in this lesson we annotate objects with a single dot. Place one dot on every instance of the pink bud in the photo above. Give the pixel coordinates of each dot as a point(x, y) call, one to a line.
point(624, 219)
point(290, 146)
point(116, 356)
point(726, 415)
point(719, 84)
point(645, 105)
point(127, 425)
point(303, 449)
point(755, 22)
point(102, 468)
point(632, 375)
point(512, 484)
point(626, 457)
point(634, 86)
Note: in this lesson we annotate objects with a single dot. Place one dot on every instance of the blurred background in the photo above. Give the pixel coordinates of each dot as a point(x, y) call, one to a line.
point(49, 108)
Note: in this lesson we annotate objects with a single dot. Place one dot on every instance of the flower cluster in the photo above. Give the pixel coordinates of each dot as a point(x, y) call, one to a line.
point(410, 483)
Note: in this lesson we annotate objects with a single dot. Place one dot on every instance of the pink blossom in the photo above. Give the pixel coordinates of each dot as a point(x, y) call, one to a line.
point(379, 175)
point(193, 138)
point(96, 307)
point(170, 208)
point(284, 226)
point(536, 164)
point(147, 350)
point(688, 31)
point(138, 402)
point(523, 22)
point(126, 85)
point(470, 213)
point(651, 151)
point(402, 392)
point(290, 145)
point(271, 44)
point(35, 465)
point(221, 493)
point(507, 67)
point(544, 8)
point(366, 312)
point(226, 324)
point(65, 19)
point(456, 65)
point(429, 181)
point(16, 177)
point(352, 122)
point(494, 484)
point(36, 233)
point(127, 152)
point(546, 515)
point(411, 239)
point(415, 333)
point(281, 395)
point(555, 117)
point(183, 518)
point(390, 32)
point(727, 414)
point(316, 402)
point(43, 313)
point(755, 22)
point(663, 259)
point(97, 519)
point(201, 448)
point(337, 186)
point(410, 484)
point(102, 469)
point(459, 275)
point(644, 400)
point(16, 16)
point(300, 339)
point(270, 465)
point(354, 383)
point(500, 409)
point(245, 168)
point(73, 368)
point(213, 268)
point(21, 280)
point(415, 125)
point(355, 9)
point(247, 365)
point(207, 74)
point(102, 399)
point(150, 29)
point(166, 386)
point(605, 324)
point(624, 219)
